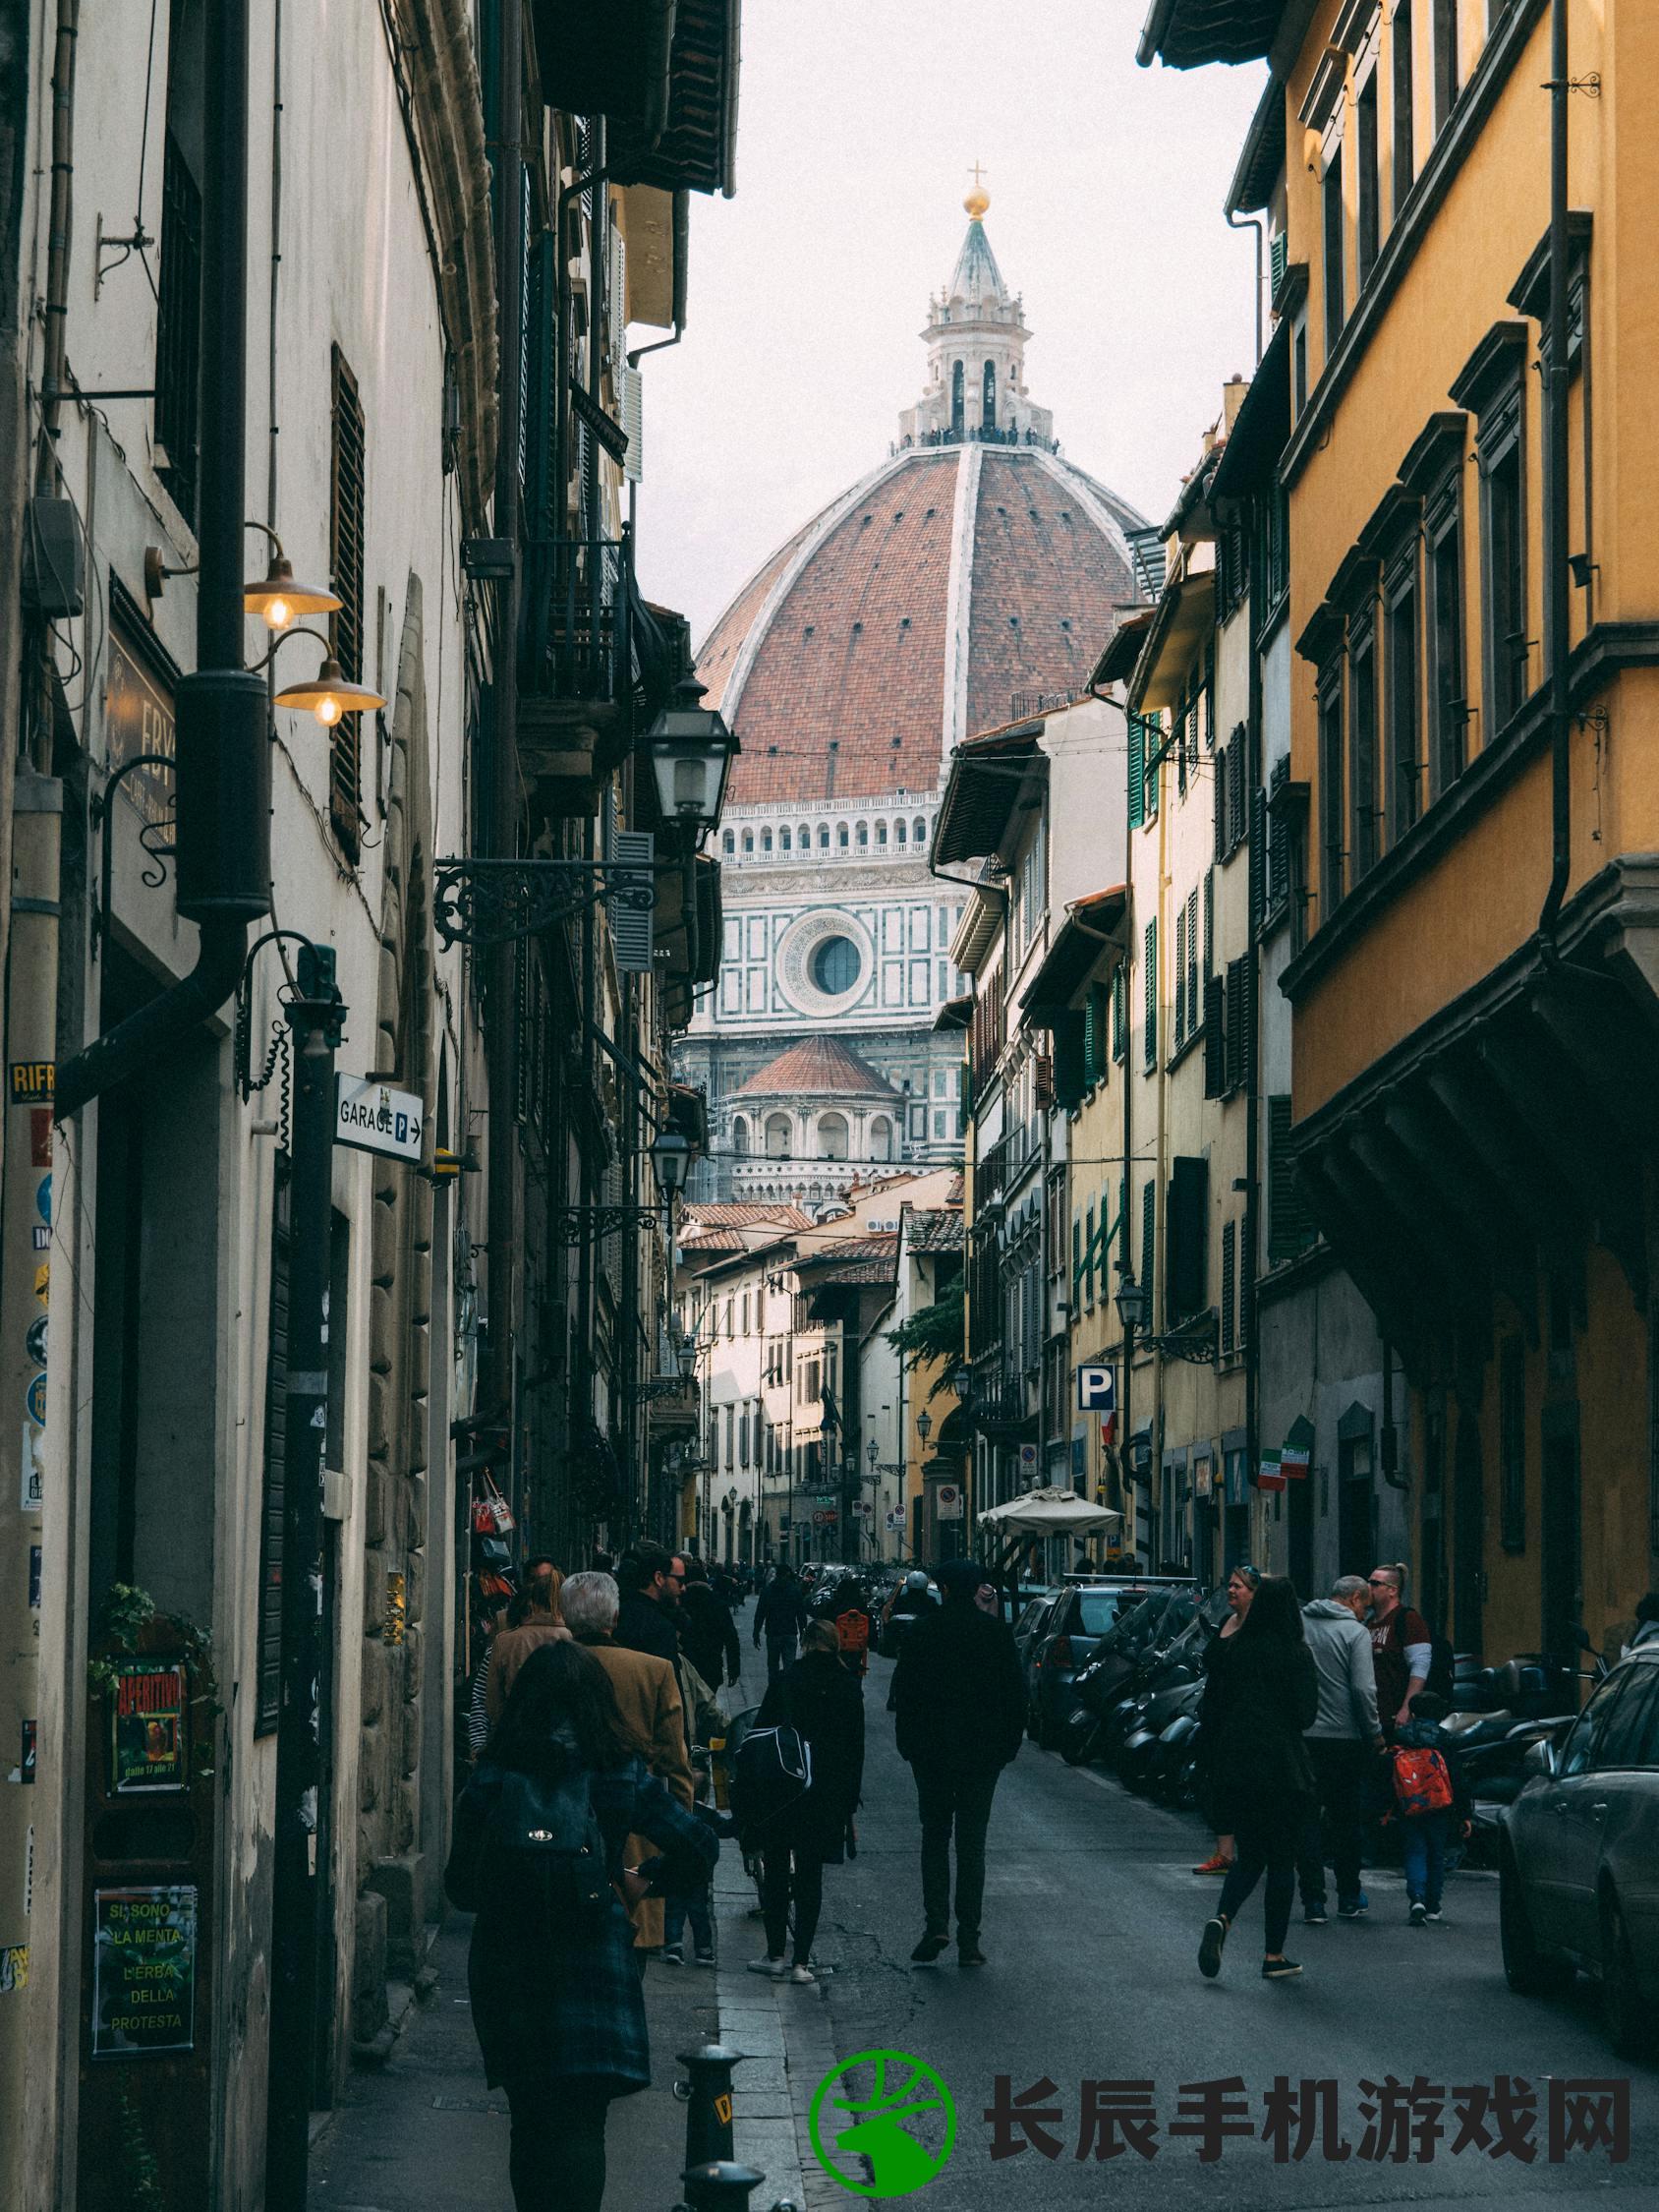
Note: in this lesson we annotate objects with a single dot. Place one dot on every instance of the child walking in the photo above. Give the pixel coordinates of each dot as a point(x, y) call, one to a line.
point(1430, 1801)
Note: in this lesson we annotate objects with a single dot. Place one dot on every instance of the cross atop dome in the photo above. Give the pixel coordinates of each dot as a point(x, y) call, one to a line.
point(976, 337)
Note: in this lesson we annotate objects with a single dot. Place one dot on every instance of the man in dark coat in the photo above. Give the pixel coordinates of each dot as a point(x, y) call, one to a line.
point(960, 1703)
point(708, 1631)
point(781, 1614)
point(651, 1581)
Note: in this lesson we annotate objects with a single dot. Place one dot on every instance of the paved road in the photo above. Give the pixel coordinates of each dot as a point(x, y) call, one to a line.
point(1092, 1927)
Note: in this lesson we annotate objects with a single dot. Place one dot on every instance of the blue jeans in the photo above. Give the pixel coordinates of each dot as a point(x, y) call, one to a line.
point(676, 1911)
point(1424, 1840)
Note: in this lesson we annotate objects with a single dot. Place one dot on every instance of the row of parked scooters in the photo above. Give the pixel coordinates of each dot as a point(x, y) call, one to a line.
point(1136, 1708)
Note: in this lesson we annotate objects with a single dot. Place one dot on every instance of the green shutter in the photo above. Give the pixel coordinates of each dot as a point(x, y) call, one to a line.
point(1154, 752)
point(1137, 772)
point(1092, 1064)
point(1149, 964)
point(1089, 1258)
point(1120, 1012)
point(1148, 1249)
point(1076, 1259)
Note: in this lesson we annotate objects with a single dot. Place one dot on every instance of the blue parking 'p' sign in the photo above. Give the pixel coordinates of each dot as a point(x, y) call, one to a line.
point(1096, 1389)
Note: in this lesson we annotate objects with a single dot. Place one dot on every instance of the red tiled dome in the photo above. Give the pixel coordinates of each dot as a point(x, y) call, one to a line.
point(912, 613)
point(817, 1067)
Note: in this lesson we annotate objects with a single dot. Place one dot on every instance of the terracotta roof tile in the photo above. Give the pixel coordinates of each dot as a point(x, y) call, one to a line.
point(815, 1067)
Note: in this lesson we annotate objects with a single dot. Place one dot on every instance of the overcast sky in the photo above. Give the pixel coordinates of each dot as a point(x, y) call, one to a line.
point(858, 124)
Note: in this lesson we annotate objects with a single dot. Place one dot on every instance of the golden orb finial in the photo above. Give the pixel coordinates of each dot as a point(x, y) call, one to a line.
point(977, 200)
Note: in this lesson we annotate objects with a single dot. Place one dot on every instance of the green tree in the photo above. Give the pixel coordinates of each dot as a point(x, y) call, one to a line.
point(933, 1336)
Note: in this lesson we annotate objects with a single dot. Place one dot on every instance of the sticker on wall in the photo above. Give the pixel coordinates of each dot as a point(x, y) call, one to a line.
point(391, 1631)
point(14, 1967)
point(34, 1340)
point(40, 1135)
point(35, 1578)
point(29, 1871)
point(25, 1754)
point(33, 1486)
point(35, 1400)
point(144, 1971)
point(43, 1282)
point(43, 1199)
point(40, 1238)
point(32, 1079)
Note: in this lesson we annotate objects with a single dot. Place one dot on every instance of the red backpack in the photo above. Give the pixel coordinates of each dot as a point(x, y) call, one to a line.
point(852, 1633)
point(1421, 1782)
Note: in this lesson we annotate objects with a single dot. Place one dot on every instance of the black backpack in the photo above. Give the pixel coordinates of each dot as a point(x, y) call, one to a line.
point(772, 1771)
point(544, 1851)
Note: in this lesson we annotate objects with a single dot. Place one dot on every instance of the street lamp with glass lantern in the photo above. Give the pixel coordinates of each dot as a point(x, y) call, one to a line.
point(690, 749)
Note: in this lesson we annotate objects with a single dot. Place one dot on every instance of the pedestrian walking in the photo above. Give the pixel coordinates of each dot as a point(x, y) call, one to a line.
point(1242, 1586)
point(1430, 1803)
point(1257, 1706)
point(848, 1612)
point(781, 1614)
point(651, 1581)
point(705, 1718)
point(647, 1693)
point(816, 1698)
point(1402, 1647)
point(960, 1707)
point(905, 1607)
point(707, 1632)
point(557, 2005)
point(533, 1619)
point(1344, 1746)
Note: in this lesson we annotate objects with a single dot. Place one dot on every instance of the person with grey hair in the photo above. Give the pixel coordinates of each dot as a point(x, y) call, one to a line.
point(1343, 1746)
point(590, 1604)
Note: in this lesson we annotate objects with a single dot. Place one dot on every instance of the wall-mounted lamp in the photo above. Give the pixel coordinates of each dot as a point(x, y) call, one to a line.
point(331, 693)
point(277, 597)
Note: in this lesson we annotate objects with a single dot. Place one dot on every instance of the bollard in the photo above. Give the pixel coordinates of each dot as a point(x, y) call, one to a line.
point(708, 2100)
point(720, 2186)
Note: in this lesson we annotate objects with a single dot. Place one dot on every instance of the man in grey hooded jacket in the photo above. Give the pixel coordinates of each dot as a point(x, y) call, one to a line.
point(1343, 1746)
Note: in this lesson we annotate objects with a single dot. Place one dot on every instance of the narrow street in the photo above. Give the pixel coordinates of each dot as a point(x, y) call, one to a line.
point(1092, 1926)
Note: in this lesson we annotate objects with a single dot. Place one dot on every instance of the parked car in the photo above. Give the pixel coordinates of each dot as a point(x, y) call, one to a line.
point(1028, 1634)
point(1079, 1615)
point(1578, 1863)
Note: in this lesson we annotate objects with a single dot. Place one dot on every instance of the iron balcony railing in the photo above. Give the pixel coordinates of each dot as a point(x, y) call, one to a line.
point(574, 639)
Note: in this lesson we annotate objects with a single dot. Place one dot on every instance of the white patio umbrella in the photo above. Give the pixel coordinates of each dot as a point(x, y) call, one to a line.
point(1049, 1512)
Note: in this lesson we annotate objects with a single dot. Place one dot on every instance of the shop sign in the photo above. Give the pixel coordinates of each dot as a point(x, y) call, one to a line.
point(144, 1971)
point(32, 1081)
point(149, 1727)
point(138, 719)
point(373, 1118)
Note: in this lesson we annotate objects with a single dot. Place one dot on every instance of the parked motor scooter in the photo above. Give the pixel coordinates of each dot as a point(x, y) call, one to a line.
point(1104, 1682)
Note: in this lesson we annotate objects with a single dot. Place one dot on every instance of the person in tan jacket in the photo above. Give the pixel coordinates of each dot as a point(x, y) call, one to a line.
point(531, 1620)
point(649, 1695)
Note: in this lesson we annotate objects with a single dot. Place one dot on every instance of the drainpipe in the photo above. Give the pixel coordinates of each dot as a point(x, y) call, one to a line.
point(1557, 524)
point(1252, 222)
point(223, 741)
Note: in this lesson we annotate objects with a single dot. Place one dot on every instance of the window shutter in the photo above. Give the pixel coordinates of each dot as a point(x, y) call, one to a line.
point(1149, 964)
point(1220, 797)
point(1258, 854)
point(345, 555)
point(1137, 772)
point(1209, 923)
point(1092, 1050)
point(1119, 1012)
point(1089, 1258)
point(1180, 977)
point(1076, 1259)
point(1229, 1268)
point(1289, 1226)
point(1187, 1237)
point(633, 923)
point(1214, 1037)
point(1237, 805)
point(1147, 1248)
point(1154, 751)
point(1193, 1001)
point(1236, 1018)
point(1074, 1057)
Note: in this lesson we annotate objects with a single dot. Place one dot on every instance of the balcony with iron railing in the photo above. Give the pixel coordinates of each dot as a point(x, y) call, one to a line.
point(576, 665)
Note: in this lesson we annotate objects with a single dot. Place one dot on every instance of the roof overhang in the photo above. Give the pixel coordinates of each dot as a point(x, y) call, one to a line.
point(1261, 160)
point(1076, 949)
point(976, 932)
point(1117, 662)
point(695, 147)
point(1187, 33)
point(955, 1014)
point(1262, 428)
point(1186, 611)
point(982, 793)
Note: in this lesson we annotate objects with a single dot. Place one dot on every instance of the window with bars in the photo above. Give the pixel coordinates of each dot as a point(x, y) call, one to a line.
point(1512, 1442)
point(345, 628)
point(1230, 1269)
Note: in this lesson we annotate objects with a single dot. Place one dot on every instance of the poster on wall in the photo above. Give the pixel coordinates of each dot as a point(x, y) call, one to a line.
point(149, 1727)
point(144, 1971)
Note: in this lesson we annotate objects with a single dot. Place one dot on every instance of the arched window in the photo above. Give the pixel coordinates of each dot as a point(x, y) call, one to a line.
point(841, 835)
point(739, 1134)
point(730, 842)
point(864, 835)
point(824, 837)
point(777, 1137)
point(803, 837)
point(881, 1139)
point(920, 831)
point(784, 838)
point(831, 1137)
point(748, 840)
point(900, 831)
point(765, 840)
point(956, 388)
point(988, 406)
point(881, 832)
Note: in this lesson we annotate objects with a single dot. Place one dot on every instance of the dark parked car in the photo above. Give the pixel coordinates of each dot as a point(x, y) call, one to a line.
point(1028, 1635)
point(1080, 1614)
point(1579, 1857)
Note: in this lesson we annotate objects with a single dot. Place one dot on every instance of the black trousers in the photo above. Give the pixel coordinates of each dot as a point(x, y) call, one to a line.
point(1265, 1844)
point(1333, 1835)
point(961, 1804)
point(557, 2158)
point(790, 1873)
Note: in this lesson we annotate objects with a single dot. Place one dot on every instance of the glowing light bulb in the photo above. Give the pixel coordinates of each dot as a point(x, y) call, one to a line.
point(328, 709)
point(278, 614)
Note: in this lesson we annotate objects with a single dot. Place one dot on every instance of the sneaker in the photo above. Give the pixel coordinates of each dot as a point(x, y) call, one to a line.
point(671, 1955)
point(1210, 1949)
point(802, 1975)
point(775, 1967)
point(1354, 1908)
point(1419, 1912)
point(1314, 1916)
point(1279, 1969)
point(1435, 1917)
point(929, 1949)
point(968, 1952)
point(1214, 1864)
point(705, 1958)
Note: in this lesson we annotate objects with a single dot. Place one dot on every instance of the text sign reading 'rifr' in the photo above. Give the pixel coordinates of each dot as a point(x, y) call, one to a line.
point(375, 1118)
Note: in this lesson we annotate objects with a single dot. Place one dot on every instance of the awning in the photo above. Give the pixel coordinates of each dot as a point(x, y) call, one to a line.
point(1075, 950)
point(1049, 1512)
point(1263, 426)
point(955, 1014)
point(982, 792)
point(1186, 614)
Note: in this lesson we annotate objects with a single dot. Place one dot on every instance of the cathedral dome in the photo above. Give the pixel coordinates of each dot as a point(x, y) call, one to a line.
point(973, 573)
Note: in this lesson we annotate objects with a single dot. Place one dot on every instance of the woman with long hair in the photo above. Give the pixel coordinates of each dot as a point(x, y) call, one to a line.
point(1257, 1706)
point(1242, 1586)
point(539, 1857)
